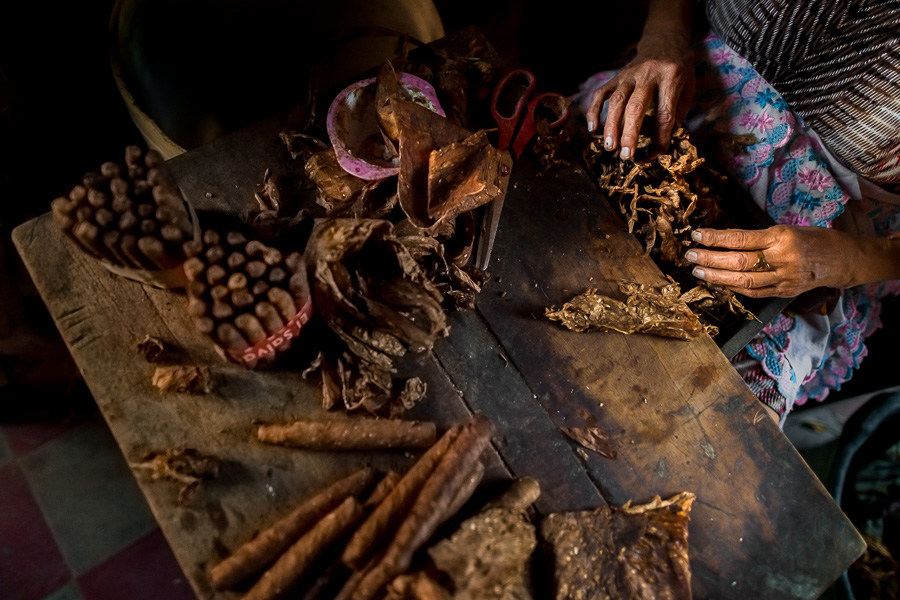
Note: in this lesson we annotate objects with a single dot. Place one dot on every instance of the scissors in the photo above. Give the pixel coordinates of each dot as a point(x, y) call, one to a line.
point(518, 114)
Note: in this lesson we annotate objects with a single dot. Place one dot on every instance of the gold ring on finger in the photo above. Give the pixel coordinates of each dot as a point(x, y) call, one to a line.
point(761, 263)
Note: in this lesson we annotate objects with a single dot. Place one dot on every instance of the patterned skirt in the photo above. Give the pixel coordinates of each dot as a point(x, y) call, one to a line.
point(789, 172)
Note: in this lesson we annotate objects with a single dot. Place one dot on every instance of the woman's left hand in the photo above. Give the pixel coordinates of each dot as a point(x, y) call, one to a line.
point(779, 261)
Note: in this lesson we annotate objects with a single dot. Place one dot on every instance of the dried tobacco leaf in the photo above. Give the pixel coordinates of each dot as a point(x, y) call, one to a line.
point(646, 310)
point(592, 438)
point(154, 350)
point(185, 466)
point(182, 379)
point(621, 552)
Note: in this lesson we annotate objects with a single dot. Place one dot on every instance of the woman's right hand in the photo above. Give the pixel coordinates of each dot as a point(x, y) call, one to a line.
point(662, 72)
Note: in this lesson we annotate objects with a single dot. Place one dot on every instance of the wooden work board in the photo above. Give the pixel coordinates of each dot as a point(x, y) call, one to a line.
point(678, 415)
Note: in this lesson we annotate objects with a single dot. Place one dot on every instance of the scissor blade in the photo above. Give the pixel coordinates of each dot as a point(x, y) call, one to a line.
point(491, 222)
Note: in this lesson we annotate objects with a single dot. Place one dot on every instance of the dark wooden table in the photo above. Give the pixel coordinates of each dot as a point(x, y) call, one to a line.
point(678, 414)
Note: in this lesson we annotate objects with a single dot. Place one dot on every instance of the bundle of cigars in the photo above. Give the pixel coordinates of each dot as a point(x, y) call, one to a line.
point(249, 298)
point(129, 215)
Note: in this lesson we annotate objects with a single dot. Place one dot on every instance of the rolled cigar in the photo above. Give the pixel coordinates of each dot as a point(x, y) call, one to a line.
point(350, 434)
point(63, 213)
point(143, 191)
point(294, 262)
point(128, 221)
point(384, 487)
point(215, 254)
point(133, 155)
point(277, 275)
point(299, 285)
point(216, 274)
point(145, 210)
point(172, 234)
point(222, 310)
point(129, 245)
point(465, 491)
point(372, 584)
point(160, 176)
point(193, 268)
point(354, 579)
point(521, 494)
point(137, 171)
point(84, 213)
point(168, 197)
point(294, 564)
point(269, 316)
point(256, 269)
point(260, 288)
point(235, 239)
point(153, 159)
point(154, 249)
point(237, 281)
point(148, 226)
point(197, 288)
point(205, 325)
point(197, 307)
point(165, 214)
point(192, 247)
point(235, 261)
point(78, 194)
point(113, 241)
point(118, 186)
point(95, 181)
point(111, 170)
point(389, 513)
point(218, 292)
point(106, 218)
point(230, 338)
point(262, 550)
point(121, 203)
point(211, 237)
point(272, 257)
point(87, 234)
point(250, 327)
point(431, 505)
point(97, 198)
point(284, 301)
point(242, 299)
point(255, 248)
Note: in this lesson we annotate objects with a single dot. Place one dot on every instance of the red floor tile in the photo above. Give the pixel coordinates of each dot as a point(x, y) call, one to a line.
point(146, 570)
point(31, 565)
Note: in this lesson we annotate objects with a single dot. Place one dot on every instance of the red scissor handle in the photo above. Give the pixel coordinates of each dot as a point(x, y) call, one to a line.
point(509, 101)
point(550, 107)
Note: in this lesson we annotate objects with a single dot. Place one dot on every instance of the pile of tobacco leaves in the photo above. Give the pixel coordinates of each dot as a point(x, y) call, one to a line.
point(664, 196)
point(388, 257)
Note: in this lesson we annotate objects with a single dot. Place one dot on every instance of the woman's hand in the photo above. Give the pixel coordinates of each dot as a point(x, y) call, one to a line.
point(799, 259)
point(662, 72)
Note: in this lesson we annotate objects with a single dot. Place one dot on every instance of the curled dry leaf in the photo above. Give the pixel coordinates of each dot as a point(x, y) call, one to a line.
point(185, 466)
point(646, 310)
point(592, 438)
point(153, 350)
point(182, 379)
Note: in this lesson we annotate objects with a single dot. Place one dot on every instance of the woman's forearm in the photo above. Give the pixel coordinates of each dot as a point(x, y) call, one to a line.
point(669, 18)
point(880, 259)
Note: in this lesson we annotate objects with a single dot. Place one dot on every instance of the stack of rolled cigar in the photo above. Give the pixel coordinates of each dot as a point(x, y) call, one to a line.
point(359, 547)
point(241, 293)
point(130, 215)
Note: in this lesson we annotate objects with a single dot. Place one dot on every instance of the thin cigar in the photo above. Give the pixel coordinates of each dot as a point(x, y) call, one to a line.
point(211, 237)
point(136, 171)
point(129, 245)
point(78, 194)
point(160, 176)
point(277, 275)
point(105, 218)
point(260, 288)
point(254, 555)
point(290, 568)
point(372, 584)
point(111, 170)
point(299, 285)
point(84, 213)
point(97, 198)
point(389, 513)
point(272, 257)
point(230, 338)
point(216, 274)
point(197, 288)
point(284, 301)
point(465, 491)
point(294, 262)
point(256, 269)
point(215, 254)
point(250, 327)
point(153, 159)
point(172, 234)
point(353, 581)
point(86, 234)
point(384, 487)
point(165, 214)
point(235, 239)
point(205, 325)
point(145, 210)
point(118, 187)
point(95, 181)
point(148, 226)
point(143, 191)
point(255, 248)
point(113, 242)
point(120, 203)
point(268, 315)
point(133, 155)
point(63, 213)
point(197, 307)
point(350, 434)
point(193, 268)
point(520, 494)
point(192, 247)
point(243, 299)
point(432, 502)
point(64, 223)
point(235, 261)
point(168, 197)
point(237, 281)
point(222, 310)
point(218, 292)
point(154, 249)
point(128, 221)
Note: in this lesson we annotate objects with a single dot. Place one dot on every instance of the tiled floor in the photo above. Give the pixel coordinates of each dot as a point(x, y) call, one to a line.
point(73, 523)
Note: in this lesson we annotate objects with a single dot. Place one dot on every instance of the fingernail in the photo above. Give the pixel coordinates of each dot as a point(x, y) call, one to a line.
point(696, 236)
point(590, 126)
point(625, 154)
point(698, 272)
point(690, 256)
point(608, 143)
